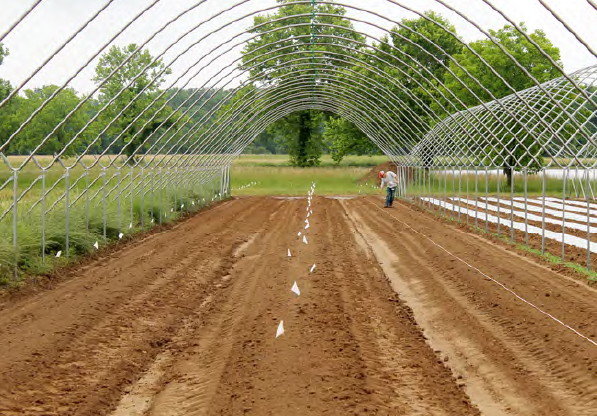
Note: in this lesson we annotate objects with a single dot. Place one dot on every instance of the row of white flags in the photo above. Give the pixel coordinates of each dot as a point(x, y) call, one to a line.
point(301, 234)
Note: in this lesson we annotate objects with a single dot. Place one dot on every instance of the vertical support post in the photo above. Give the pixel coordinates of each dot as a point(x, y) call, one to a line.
point(433, 193)
point(152, 193)
point(104, 201)
point(188, 178)
point(225, 186)
point(440, 192)
point(228, 187)
point(467, 194)
point(419, 187)
point(543, 213)
point(15, 203)
point(408, 172)
point(221, 176)
point(132, 195)
point(526, 209)
point(564, 213)
point(87, 200)
point(499, 217)
point(67, 210)
point(486, 199)
point(219, 183)
point(424, 171)
point(416, 187)
point(167, 192)
point(119, 197)
point(459, 193)
point(175, 190)
point(161, 182)
point(476, 198)
point(511, 204)
point(445, 189)
point(423, 187)
point(201, 187)
point(402, 182)
point(454, 192)
point(429, 190)
point(142, 199)
point(212, 186)
point(423, 195)
point(43, 216)
point(588, 221)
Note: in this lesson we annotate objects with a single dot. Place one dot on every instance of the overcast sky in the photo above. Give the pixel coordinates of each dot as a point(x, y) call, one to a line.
point(54, 21)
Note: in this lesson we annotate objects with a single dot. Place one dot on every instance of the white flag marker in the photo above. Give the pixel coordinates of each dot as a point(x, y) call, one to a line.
point(131, 226)
point(299, 234)
point(280, 330)
point(308, 214)
point(289, 254)
point(96, 245)
point(120, 236)
point(312, 269)
point(295, 289)
point(305, 239)
point(307, 227)
point(59, 254)
point(171, 209)
point(182, 206)
point(152, 220)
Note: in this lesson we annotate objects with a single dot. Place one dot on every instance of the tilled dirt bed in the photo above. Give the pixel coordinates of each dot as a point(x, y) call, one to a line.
point(389, 323)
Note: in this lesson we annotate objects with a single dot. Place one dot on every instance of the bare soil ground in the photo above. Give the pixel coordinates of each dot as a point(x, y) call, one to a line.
point(184, 322)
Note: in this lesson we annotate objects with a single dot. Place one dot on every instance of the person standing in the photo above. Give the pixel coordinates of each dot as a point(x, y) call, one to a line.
point(390, 180)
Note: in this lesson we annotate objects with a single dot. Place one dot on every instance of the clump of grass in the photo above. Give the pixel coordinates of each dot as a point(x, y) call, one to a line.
point(590, 275)
point(85, 229)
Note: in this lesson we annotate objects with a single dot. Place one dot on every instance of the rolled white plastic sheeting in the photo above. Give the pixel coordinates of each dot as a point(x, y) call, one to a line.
point(568, 239)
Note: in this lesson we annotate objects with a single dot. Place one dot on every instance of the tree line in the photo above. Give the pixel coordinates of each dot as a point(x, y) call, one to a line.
point(433, 74)
point(130, 114)
point(422, 63)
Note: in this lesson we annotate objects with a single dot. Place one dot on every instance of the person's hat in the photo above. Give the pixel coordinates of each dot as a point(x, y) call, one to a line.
point(381, 173)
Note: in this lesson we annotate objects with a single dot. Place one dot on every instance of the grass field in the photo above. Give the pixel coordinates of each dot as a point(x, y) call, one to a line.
point(295, 181)
point(271, 175)
point(250, 175)
point(326, 161)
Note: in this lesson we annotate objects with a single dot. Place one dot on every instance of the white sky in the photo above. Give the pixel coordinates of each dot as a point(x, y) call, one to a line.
point(54, 21)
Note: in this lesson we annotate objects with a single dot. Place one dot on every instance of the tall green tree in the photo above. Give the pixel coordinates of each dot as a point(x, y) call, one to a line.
point(44, 124)
point(294, 36)
point(513, 41)
point(5, 87)
point(505, 149)
point(133, 78)
point(408, 66)
point(420, 51)
point(3, 52)
point(5, 111)
point(344, 138)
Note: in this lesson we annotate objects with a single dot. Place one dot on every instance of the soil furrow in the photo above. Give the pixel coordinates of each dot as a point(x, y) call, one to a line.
point(550, 367)
point(183, 323)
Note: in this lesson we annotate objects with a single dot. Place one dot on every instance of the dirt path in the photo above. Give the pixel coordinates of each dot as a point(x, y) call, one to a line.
point(184, 322)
